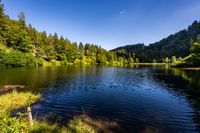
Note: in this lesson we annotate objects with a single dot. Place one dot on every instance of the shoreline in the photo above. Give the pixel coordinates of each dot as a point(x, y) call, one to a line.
point(16, 100)
point(189, 68)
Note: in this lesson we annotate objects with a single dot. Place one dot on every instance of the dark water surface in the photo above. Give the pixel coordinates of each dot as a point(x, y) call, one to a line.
point(138, 99)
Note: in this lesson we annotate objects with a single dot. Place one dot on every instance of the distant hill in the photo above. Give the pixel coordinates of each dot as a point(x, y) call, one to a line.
point(177, 44)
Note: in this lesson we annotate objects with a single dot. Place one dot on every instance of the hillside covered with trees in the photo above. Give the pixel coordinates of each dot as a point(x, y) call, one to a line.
point(23, 45)
point(167, 50)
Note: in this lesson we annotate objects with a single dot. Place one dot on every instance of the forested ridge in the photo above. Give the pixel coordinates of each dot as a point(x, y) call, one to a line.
point(22, 45)
point(176, 45)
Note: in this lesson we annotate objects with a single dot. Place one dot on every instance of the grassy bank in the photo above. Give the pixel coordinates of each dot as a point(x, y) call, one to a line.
point(14, 100)
point(8, 103)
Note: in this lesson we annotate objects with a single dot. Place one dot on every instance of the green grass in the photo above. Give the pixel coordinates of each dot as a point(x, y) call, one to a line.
point(44, 127)
point(79, 125)
point(76, 125)
point(11, 101)
point(15, 100)
point(8, 103)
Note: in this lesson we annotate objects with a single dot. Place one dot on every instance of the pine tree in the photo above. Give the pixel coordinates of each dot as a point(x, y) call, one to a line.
point(2, 25)
point(21, 18)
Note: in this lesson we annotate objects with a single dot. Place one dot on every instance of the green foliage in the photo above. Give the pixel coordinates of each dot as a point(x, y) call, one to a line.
point(137, 60)
point(173, 59)
point(18, 59)
point(177, 45)
point(15, 100)
point(64, 63)
point(130, 60)
point(166, 60)
point(78, 125)
point(101, 59)
point(12, 124)
point(19, 124)
point(154, 61)
point(22, 20)
point(195, 48)
point(77, 61)
point(180, 58)
point(193, 59)
point(44, 127)
point(196, 59)
point(2, 54)
point(10, 102)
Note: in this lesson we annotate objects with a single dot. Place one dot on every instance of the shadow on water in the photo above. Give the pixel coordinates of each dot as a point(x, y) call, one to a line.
point(185, 82)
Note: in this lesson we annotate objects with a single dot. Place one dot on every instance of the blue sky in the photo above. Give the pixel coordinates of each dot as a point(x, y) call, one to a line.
point(109, 23)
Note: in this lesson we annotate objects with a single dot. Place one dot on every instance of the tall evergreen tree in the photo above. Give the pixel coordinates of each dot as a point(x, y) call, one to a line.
point(21, 18)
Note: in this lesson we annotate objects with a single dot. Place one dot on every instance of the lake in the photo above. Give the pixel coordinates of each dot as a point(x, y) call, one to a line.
point(140, 99)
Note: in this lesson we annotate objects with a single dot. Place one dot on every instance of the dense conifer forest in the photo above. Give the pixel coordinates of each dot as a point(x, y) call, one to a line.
point(175, 46)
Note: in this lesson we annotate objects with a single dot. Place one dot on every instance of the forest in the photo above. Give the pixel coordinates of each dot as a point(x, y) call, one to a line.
point(174, 47)
point(22, 45)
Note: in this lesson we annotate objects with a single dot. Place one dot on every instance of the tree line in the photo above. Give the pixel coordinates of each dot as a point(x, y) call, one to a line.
point(167, 50)
point(23, 45)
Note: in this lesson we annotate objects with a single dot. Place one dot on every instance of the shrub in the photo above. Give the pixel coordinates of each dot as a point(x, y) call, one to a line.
point(19, 59)
point(12, 124)
point(64, 63)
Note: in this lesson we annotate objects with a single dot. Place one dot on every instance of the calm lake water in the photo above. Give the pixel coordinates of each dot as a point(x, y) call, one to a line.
point(137, 99)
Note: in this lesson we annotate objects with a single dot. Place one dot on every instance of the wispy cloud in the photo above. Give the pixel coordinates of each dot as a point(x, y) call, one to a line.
point(122, 12)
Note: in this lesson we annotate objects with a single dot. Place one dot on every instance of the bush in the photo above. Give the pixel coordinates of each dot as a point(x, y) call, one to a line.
point(64, 63)
point(40, 62)
point(12, 124)
point(19, 59)
point(196, 59)
point(2, 55)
